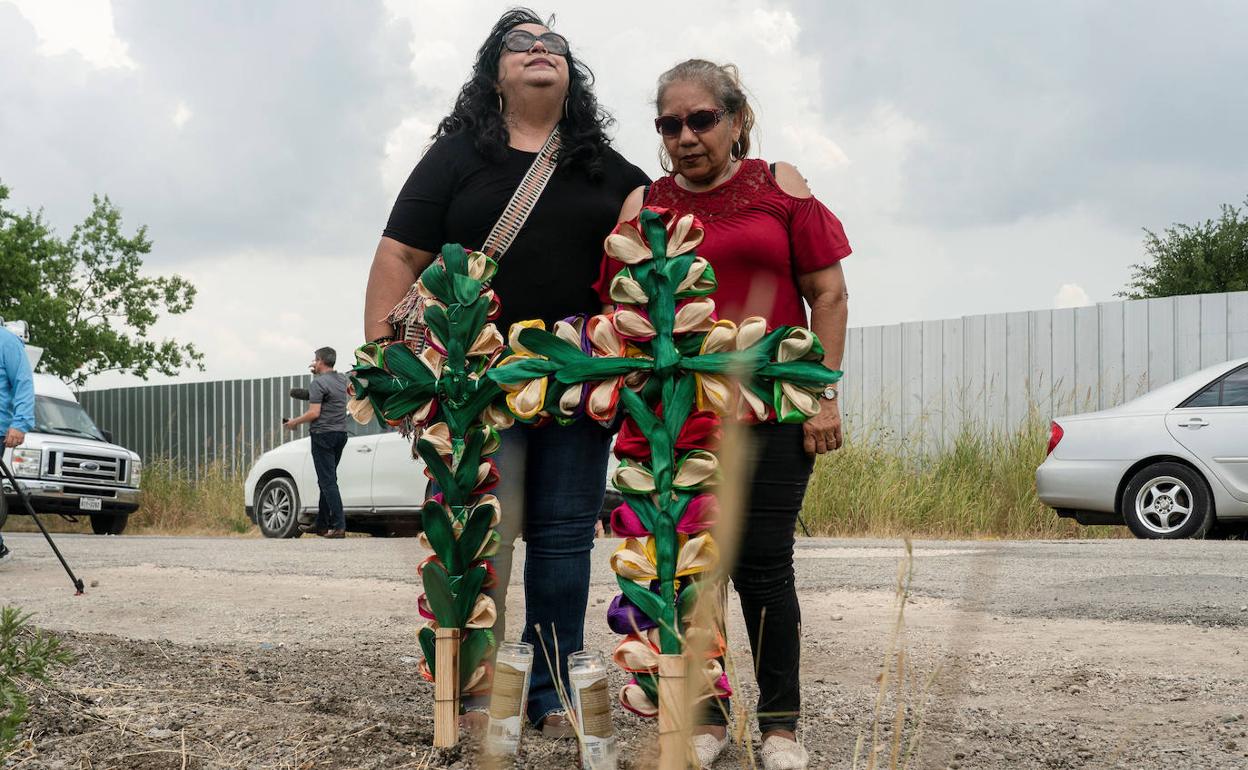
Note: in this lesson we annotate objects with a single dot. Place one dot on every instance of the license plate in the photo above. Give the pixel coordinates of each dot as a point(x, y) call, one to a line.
point(90, 503)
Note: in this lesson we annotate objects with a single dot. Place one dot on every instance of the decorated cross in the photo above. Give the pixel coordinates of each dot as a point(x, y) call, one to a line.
point(675, 370)
point(443, 397)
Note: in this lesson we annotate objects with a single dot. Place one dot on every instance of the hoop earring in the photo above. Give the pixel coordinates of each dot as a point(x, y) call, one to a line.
point(500, 101)
point(735, 152)
point(565, 108)
point(665, 161)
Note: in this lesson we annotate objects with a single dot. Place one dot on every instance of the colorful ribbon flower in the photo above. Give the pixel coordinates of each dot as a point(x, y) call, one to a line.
point(636, 560)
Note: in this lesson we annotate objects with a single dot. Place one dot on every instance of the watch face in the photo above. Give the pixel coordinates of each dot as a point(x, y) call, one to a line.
point(829, 393)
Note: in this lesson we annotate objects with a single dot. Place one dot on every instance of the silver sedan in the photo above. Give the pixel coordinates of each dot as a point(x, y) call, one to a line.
point(1172, 463)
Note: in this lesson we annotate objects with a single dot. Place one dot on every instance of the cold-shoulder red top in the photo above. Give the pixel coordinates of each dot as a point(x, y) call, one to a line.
point(758, 239)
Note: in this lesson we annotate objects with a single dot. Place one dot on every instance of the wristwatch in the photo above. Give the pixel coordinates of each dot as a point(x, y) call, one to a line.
point(829, 393)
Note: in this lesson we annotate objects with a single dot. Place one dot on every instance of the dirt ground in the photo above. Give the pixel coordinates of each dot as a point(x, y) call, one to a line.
point(207, 653)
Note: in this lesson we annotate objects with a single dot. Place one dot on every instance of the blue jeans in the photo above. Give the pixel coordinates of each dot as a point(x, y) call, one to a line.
point(326, 452)
point(551, 490)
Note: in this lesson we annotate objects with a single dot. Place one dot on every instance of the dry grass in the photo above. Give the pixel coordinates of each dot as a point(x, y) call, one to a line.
point(977, 487)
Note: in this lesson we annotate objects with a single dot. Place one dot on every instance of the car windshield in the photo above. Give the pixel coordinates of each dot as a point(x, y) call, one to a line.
point(64, 418)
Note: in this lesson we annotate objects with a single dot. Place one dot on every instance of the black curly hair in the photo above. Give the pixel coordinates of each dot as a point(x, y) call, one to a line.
point(584, 128)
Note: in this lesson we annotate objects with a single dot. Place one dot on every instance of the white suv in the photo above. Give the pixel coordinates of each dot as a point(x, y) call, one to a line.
point(68, 465)
point(382, 486)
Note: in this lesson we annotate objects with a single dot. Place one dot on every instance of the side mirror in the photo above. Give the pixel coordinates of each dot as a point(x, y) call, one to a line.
point(108, 436)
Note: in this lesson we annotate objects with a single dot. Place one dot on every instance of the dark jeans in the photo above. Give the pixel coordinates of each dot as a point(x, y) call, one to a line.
point(551, 490)
point(763, 576)
point(326, 452)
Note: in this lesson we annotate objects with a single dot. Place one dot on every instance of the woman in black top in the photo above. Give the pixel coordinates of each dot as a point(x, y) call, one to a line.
point(524, 83)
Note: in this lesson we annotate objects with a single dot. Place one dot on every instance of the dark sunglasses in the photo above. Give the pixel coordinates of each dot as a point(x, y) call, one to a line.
point(699, 122)
point(519, 41)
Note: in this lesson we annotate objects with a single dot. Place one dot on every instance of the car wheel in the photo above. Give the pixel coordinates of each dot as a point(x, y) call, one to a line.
point(277, 508)
point(109, 523)
point(1167, 501)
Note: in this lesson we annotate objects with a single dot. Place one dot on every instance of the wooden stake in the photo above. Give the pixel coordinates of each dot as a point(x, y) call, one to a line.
point(446, 688)
point(674, 723)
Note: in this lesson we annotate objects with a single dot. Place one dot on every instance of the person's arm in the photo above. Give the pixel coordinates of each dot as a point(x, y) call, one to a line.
point(394, 270)
point(316, 394)
point(17, 369)
point(313, 413)
point(630, 210)
point(824, 290)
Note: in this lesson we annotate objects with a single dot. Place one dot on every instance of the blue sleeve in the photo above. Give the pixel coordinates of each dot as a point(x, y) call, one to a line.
point(17, 367)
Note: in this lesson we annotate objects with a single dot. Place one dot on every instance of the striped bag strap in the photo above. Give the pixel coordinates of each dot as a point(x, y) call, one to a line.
point(524, 198)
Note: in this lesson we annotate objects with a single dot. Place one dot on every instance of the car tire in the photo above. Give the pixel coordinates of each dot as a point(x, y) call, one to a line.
point(109, 523)
point(1168, 501)
point(277, 508)
point(610, 501)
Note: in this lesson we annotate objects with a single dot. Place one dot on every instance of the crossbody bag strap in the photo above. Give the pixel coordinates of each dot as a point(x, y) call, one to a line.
point(406, 316)
point(524, 199)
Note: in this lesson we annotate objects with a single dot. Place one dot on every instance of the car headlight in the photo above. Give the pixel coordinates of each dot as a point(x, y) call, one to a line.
point(136, 473)
point(26, 462)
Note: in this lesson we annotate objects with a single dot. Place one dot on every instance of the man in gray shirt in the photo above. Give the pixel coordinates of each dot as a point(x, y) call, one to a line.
point(327, 411)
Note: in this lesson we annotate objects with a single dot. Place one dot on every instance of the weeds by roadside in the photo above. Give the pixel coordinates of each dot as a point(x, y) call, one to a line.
point(978, 487)
point(175, 502)
point(26, 655)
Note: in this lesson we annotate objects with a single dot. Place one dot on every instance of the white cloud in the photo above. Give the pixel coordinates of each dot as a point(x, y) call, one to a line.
point(256, 316)
point(973, 172)
point(82, 26)
point(181, 114)
point(1071, 295)
point(404, 146)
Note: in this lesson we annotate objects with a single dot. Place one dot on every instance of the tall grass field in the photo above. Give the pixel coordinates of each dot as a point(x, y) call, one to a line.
point(874, 486)
point(976, 487)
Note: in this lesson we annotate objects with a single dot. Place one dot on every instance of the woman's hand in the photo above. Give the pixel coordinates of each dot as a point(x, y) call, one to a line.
point(823, 431)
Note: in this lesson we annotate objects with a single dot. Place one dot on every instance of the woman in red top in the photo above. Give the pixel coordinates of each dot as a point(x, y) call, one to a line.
point(773, 246)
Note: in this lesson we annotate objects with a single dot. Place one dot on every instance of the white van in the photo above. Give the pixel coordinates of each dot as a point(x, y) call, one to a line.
point(68, 465)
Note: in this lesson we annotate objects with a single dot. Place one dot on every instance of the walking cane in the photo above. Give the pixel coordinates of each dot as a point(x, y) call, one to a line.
point(8, 474)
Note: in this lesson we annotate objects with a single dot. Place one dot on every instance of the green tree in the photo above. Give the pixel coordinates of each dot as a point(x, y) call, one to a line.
point(90, 304)
point(1194, 259)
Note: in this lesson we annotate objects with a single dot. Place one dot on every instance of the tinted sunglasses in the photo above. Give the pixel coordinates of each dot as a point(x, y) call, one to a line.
point(519, 41)
point(699, 122)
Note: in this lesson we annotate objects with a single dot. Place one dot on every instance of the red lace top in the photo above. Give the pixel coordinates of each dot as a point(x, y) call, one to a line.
point(758, 238)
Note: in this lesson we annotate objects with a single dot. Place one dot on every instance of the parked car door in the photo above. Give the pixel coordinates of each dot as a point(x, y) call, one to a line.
point(398, 479)
point(355, 474)
point(355, 471)
point(1213, 425)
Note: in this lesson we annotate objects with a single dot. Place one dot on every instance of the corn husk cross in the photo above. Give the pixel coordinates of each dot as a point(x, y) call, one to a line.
point(676, 370)
point(444, 392)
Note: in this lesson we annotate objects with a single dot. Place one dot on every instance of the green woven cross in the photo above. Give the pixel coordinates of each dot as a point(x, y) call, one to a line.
point(444, 392)
point(661, 354)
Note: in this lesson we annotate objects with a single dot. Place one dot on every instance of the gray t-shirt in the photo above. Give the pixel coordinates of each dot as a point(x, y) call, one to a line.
point(330, 391)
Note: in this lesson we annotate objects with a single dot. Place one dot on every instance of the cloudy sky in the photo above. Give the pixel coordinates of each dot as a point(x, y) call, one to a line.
point(983, 156)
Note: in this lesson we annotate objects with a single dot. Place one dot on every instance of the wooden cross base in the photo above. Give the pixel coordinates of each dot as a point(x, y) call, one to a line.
point(674, 713)
point(446, 688)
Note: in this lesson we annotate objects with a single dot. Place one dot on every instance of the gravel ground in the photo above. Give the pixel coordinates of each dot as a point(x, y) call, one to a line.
point(225, 653)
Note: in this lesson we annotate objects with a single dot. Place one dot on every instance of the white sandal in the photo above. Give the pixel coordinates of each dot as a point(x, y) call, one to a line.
point(783, 754)
point(707, 748)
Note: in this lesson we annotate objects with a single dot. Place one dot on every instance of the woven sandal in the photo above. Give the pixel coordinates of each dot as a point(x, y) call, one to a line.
point(707, 748)
point(783, 754)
